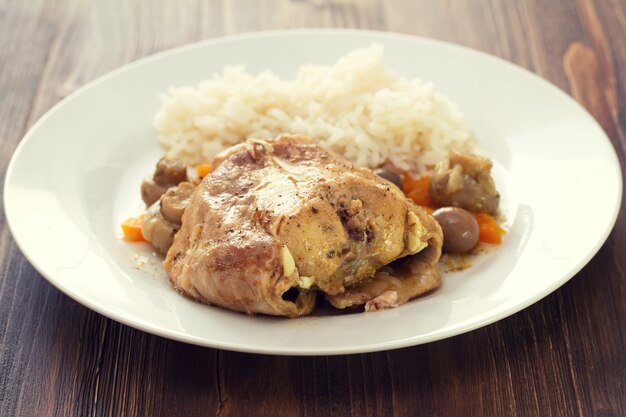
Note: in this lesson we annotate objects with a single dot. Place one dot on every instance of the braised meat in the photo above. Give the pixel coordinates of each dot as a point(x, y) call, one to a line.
point(402, 280)
point(278, 220)
point(465, 181)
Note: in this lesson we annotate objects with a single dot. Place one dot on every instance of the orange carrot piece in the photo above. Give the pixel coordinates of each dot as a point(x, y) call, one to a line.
point(407, 182)
point(203, 170)
point(417, 190)
point(132, 229)
point(488, 229)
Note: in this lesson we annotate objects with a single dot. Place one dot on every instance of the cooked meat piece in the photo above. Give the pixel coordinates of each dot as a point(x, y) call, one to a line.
point(277, 220)
point(404, 279)
point(168, 173)
point(465, 181)
point(163, 218)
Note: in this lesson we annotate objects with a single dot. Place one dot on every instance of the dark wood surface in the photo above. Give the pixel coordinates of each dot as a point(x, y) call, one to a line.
point(563, 356)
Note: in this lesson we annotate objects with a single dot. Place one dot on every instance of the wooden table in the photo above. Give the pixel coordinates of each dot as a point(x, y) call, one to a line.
point(564, 356)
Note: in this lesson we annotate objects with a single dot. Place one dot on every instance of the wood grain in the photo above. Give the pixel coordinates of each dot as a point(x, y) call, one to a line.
point(563, 356)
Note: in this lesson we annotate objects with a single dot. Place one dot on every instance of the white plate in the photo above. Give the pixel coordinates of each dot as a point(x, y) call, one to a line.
point(75, 176)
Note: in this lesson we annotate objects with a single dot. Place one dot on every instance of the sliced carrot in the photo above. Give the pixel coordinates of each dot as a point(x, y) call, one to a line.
point(407, 182)
point(417, 189)
point(132, 229)
point(488, 229)
point(203, 170)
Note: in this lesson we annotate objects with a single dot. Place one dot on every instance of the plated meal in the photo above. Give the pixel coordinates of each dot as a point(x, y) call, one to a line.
point(365, 113)
point(342, 187)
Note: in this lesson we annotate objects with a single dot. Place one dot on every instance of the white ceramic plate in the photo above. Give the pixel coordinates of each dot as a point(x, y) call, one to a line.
point(76, 175)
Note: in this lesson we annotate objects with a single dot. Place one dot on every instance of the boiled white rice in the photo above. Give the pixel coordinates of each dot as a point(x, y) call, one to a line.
point(358, 108)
